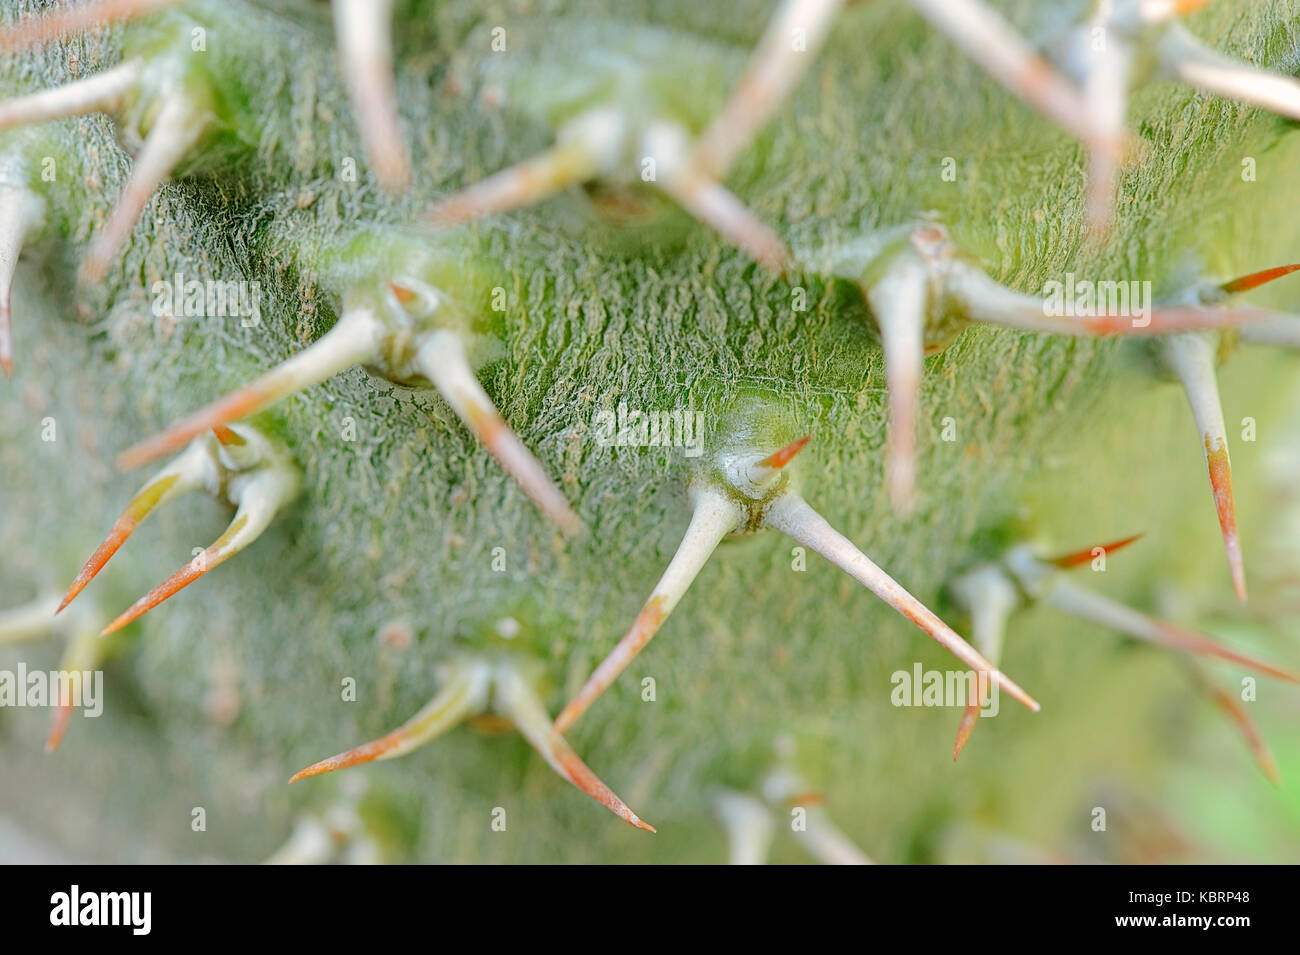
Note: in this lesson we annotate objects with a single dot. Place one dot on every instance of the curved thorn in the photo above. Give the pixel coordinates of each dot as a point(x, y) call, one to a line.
point(1199, 66)
point(192, 470)
point(262, 496)
point(721, 210)
point(898, 302)
point(57, 23)
point(1232, 707)
point(715, 516)
point(989, 597)
point(1192, 358)
point(175, 132)
point(28, 622)
point(793, 516)
point(363, 29)
point(102, 92)
point(442, 359)
point(465, 694)
point(994, 44)
point(969, 718)
point(563, 165)
point(773, 70)
point(1254, 280)
point(19, 214)
point(1067, 561)
point(518, 702)
point(353, 340)
point(1105, 94)
point(1081, 602)
point(82, 655)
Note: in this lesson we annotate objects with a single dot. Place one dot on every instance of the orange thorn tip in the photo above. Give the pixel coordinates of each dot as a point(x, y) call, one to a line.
point(780, 459)
point(969, 718)
point(1067, 561)
point(59, 727)
point(1254, 280)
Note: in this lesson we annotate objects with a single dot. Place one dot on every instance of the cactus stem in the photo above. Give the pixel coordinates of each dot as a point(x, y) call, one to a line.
point(1192, 358)
point(363, 29)
point(793, 516)
point(442, 359)
point(714, 517)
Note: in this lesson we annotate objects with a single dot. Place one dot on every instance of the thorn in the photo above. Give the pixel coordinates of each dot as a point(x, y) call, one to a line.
point(84, 653)
point(1089, 605)
point(763, 471)
point(192, 470)
point(1105, 95)
point(793, 516)
point(994, 44)
point(721, 210)
point(749, 827)
point(714, 517)
point(363, 28)
point(57, 23)
point(174, 133)
point(465, 693)
point(442, 359)
point(989, 596)
point(1232, 707)
point(773, 70)
point(1255, 279)
point(1067, 561)
point(1280, 328)
point(898, 302)
point(517, 701)
point(352, 341)
point(566, 164)
point(20, 213)
point(821, 837)
point(1199, 66)
point(985, 300)
point(260, 497)
point(1192, 358)
point(102, 92)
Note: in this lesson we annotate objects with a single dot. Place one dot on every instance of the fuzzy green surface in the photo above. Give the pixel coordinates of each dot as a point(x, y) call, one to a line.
point(1068, 440)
